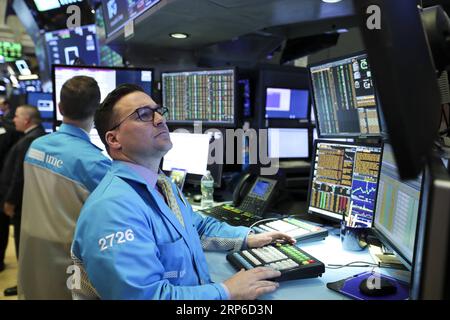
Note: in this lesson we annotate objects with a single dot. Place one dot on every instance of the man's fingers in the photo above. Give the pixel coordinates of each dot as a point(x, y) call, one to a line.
point(261, 273)
point(266, 289)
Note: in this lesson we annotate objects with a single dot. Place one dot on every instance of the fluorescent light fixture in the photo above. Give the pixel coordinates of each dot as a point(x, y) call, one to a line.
point(179, 35)
point(45, 5)
point(331, 1)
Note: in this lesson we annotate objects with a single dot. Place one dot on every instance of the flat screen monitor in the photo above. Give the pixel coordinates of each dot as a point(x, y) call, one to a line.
point(190, 152)
point(288, 143)
point(48, 126)
point(117, 13)
point(65, 46)
point(44, 102)
point(107, 78)
point(95, 139)
point(207, 95)
point(245, 97)
point(397, 208)
point(34, 85)
point(344, 181)
point(344, 97)
point(285, 103)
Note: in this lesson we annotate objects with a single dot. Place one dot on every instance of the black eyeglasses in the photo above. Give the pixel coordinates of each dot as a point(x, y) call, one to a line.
point(145, 114)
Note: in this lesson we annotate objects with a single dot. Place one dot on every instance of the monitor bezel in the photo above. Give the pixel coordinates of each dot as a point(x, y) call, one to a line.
point(206, 124)
point(313, 101)
point(54, 66)
point(380, 234)
point(313, 159)
point(283, 122)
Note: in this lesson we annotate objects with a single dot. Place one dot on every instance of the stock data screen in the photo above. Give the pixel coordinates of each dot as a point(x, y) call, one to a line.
point(344, 97)
point(199, 96)
point(397, 207)
point(65, 46)
point(344, 182)
point(118, 12)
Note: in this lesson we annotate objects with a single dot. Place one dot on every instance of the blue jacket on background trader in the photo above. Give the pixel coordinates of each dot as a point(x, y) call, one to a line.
point(61, 170)
point(137, 237)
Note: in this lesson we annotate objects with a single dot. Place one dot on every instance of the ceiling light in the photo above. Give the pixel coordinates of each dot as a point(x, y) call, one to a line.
point(331, 1)
point(179, 35)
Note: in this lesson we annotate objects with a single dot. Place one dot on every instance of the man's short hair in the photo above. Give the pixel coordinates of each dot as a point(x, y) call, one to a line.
point(33, 113)
point(80, 97)
point(105, 117)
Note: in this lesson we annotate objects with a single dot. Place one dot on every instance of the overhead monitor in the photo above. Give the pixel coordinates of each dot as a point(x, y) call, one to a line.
point(344, 97)
point(44, 102)
point(117, 13)
point(344, 181)
point(206, 95)
point(288, 143)
point(190, 152)
point(287, 103)
point(397, 208)
point(65, 46)
point(32, 85)
point(107, 78)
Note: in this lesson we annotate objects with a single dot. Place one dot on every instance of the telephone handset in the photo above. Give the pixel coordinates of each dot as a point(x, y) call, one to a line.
point(253, 194)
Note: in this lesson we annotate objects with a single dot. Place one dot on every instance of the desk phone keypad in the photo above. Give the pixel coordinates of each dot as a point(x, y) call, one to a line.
point(292, 262)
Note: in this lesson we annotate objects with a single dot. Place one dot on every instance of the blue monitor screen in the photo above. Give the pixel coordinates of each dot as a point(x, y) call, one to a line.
point(43, 101)
point(284, 103)
point(64, 46)
point(260, 188)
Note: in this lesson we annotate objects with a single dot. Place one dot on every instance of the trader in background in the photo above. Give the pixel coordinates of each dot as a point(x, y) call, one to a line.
point(8, 137)
point(27, 120)
point(61, 170)
point(137, 236)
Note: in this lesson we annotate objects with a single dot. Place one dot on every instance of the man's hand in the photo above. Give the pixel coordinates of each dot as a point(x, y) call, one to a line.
point(8, 209)
point(262, 239)
point(248, 285)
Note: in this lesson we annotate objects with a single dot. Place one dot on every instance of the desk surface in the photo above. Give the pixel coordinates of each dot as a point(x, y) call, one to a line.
point(329, 251)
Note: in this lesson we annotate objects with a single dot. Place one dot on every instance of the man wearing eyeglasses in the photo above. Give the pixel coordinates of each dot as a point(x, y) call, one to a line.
point(60, 170)
point(137, 237)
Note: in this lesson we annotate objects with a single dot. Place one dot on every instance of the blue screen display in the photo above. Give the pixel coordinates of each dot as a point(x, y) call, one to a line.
point(44, 103)
point(65, 46)
point(260, 188)
point(284, 103)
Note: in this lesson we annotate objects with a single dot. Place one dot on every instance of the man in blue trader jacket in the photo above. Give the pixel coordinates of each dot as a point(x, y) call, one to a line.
point(137, 237)
point(61, 169)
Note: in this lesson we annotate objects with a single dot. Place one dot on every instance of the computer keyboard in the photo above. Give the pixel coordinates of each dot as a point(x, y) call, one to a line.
point(232, 215)
point(297, 229)
point(292, 262)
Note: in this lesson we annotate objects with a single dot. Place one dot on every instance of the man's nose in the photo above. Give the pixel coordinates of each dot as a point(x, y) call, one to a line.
point(158, 119)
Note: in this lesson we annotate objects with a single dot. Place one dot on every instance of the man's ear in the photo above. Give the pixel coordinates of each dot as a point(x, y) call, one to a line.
point(60, 108)
point(111, 140)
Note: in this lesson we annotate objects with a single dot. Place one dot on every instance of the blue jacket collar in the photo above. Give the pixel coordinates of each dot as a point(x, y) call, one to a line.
point(74, 131)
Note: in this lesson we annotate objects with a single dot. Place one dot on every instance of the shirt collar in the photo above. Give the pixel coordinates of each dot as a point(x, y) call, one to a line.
point(149, 176)
point(30, 128)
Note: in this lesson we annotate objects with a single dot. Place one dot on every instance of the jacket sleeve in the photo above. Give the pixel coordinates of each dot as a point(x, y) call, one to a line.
point(216, 235)
point(121, 256)
point(15, 190)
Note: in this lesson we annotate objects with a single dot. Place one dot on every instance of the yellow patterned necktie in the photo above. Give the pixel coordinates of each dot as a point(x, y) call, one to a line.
point(166, 189)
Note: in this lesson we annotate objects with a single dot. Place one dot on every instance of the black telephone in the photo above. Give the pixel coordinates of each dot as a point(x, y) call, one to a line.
point(253, 193)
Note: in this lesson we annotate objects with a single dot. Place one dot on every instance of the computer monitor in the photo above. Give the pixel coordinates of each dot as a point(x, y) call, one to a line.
point(67, 45)
point(430, 277)
point(118, 13)
point(95, 139)
point(245, 97)
point(344, 97)
point(32, 85)
point(206, 95)
point(288, 143)
point(48, 126)
point(397, 208)
point(190, 152)
point(344, 181)
point(108, 78)
point(287, 103)
point(44, 102)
